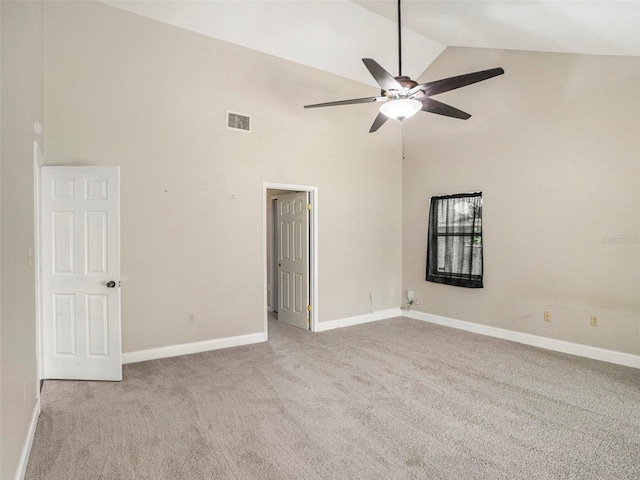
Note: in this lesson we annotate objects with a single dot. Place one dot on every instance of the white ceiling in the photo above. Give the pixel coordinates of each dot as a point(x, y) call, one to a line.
point(333, 35)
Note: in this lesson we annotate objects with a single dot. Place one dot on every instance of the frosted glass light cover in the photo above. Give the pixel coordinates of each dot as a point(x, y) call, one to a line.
point(401, 108)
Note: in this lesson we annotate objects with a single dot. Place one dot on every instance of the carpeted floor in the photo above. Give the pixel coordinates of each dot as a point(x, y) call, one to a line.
point(394, 399)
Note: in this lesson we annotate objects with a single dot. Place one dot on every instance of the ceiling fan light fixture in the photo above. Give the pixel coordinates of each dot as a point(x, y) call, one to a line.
point(401, 108)
point(400, 93)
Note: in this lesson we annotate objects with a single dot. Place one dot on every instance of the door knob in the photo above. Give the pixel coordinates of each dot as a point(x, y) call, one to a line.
point(111, 284)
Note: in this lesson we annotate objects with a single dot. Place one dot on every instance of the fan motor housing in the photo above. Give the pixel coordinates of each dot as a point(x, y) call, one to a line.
point(403, 80)
point(406, 82)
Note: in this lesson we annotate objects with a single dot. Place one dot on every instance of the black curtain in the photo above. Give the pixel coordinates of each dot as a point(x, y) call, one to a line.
point(454, 249)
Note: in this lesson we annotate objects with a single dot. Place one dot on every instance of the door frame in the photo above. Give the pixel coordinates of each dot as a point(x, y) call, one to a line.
point(313, 248)
point(38, 162)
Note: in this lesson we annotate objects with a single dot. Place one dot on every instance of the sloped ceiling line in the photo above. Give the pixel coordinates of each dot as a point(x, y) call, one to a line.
point(333, 35)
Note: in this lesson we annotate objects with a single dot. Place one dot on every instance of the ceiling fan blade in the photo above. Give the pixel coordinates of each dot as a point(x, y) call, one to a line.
point(384, 78)
point(348, 102)
point(433, 106)
point(378, 122)
point(451, 83)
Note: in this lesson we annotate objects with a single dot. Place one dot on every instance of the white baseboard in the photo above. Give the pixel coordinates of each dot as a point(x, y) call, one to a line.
point(595, 353)
point(357, 320)
point(26, 449)
point(196, 347)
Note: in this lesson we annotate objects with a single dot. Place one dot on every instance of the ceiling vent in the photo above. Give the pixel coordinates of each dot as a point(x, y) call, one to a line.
point(238, 121)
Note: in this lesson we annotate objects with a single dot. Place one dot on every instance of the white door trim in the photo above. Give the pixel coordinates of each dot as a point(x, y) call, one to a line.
point(313, 250)
point(38, 161)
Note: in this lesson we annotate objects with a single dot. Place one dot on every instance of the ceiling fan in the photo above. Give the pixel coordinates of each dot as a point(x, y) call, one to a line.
point(402, 97)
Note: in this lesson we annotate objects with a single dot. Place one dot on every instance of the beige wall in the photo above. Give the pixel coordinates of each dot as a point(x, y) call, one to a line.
point(124, 90)
point(22, 104)
point(553, 145)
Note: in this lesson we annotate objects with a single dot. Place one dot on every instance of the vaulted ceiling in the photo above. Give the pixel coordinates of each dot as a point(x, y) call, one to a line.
point(333, 35)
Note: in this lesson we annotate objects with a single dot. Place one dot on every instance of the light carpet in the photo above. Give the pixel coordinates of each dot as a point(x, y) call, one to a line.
point(394, 399)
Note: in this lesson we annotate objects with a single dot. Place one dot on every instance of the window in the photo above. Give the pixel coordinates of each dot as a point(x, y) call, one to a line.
point(454, 249)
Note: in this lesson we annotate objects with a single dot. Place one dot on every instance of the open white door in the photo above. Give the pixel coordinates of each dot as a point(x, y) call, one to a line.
point(80, 241)
point(293, 259)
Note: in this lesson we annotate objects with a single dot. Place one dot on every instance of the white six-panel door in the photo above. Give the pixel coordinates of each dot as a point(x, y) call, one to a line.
point(293, 259)
point(80, 241)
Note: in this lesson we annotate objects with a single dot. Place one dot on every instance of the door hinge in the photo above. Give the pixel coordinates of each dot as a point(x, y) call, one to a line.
point(308, 308)
point(308, 206)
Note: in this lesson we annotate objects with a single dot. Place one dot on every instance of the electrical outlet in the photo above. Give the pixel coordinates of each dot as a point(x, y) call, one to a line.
point(410, 294)
point(594, 321)
point(547, 316)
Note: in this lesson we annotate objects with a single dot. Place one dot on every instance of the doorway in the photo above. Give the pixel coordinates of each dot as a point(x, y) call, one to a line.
point(274, 292)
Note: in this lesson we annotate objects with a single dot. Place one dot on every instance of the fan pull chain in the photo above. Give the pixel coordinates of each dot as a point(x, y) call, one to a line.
point(404, 155)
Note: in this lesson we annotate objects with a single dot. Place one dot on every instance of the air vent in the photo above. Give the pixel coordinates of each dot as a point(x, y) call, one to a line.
point(238, 121)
